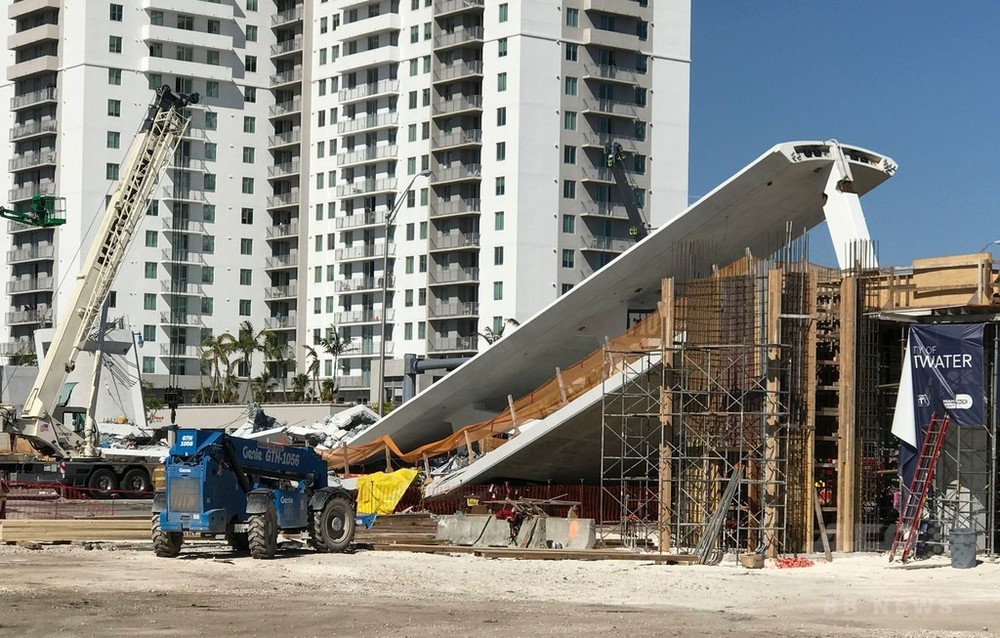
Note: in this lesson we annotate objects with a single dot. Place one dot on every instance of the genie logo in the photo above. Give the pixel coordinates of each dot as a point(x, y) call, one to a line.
point(287, 500)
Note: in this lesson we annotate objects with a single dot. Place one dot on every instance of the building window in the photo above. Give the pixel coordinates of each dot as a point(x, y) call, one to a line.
point(185, 22)
point(501, 151)
point(156, 18)
point(116, 13)
point(244, 307)
point(209, 183)
point(149, 270)
point(153, 209)
point(111, 171)
point(210, 151)
point(502, 116)
point(115, 44)
point(208, 275)
point(208, 213)
point(148, 365)
point(497, 290)
point(568, 224)
point(572, 51)
point(251, 33)
point(251, 5)
point(212, 57)
point(211, 121)
point(184, 54)
point(567, 258)
point(502, 48)
point(246, 277)
point(208, 244)
point(249, 94)
point(570, 86)
point(407, 331)
point(409, 265)
point(246, 216)
point(498, 220)
point(421, 330)
point(411, 134)
point(115, 77)
point(569, 155)
point(423, 230)
point(502, 81)
point(422, 263)
point(114, 139)
point(248, 155)
point(149, 303)
point(569, 189)
point(503, 12)
point(569, 121)
point(566, 288)
point(572, 17)
point(207, 306)
point(149, 332)
point(247, 186)
point(211, 88)
point(408, 298)
point(249, 124)
point(246, 246)
point(319, 180)
point(422, 297)
point(151, 238)
point(501, 185)
point(498, 256)
point(250, 64)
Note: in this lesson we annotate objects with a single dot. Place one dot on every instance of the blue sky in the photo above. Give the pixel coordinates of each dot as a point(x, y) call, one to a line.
point(917, 81)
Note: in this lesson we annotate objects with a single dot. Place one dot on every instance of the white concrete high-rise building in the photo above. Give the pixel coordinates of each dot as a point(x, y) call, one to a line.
point(315, 118)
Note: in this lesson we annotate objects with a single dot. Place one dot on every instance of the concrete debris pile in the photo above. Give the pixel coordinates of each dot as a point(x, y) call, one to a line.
point(325, 434)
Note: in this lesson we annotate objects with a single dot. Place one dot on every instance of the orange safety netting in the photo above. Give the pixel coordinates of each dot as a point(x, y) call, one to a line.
point(567, 385)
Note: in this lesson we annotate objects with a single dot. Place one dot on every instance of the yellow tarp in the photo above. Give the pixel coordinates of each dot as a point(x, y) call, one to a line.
point(379, 493)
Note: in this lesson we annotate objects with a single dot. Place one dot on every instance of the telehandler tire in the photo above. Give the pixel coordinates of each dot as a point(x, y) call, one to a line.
point(333, 526)
point(262, 533)
point(165, 544)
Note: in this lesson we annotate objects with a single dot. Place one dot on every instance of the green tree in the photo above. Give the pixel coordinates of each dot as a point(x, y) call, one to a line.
point(280, 359)
point(214, 356)
point(312, 368)
point(247, 342)
point(301, 387)
point(335, 345)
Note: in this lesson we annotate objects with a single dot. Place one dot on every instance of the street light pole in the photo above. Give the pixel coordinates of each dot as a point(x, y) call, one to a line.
point(389, 219)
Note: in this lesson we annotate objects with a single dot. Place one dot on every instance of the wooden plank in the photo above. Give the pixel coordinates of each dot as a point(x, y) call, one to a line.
point(513, 414)
point(846, 430)
point(666, 308)
point(822, 527)
point(775, 281)
point(426, 549)
point(562, 387)
point(810, 398)
point(581, 554)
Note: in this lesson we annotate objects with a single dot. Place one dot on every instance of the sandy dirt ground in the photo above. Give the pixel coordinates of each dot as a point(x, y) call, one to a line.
point(124, 590)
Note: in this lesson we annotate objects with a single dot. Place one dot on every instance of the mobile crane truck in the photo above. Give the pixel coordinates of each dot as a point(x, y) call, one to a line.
point(67, 433)
point(248, 490)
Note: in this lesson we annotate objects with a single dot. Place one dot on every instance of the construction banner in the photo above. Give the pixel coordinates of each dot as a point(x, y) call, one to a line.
point(379, 493)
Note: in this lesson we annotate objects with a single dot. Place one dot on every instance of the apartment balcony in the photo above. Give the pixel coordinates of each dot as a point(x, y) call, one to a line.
point(597, 174)
point(363, 251)
point(366, 122)
point(458, 71)
point(368, 25)
point(456, 139)
point(355, 382)
point(599, 140)
point(281, 292)
point(22, 8)
point(30, 284)
point(603, 209)
point(33, 315)
point(191, 133)
point(612, 39)
point(289, 260)
point(284, 169)
point(179, 350)
point(22, 193)
point(369, 347)
point(282, 231)
point(170, 318)
point(358, 285)
point(287, 17)
point(185, 37)
point(456, 310)
point(368, 154)
point(188, 257)
point(611, 107)
point(608, 72)
point(293, 45)
point(41, 64)
point(459, 37)
point(182, 288)
point(456, 173)
point(30, 253)
point(33, 129)
point(632, 8)
point(187, 163)
point(457, 105)
point(370, 315)
point(33, 36)
point(288, 138)
point(31, 161)
point(442, 208)
point(220, 10)
point(20, 346)
point(443, 276)
point(280, 322)
point(445, 7)
point(35, 98)
point(286, 108)
point(280, 200)
point(183, 225)
point(367, 187)
point(360, 220)
point(366, 91)
point(452, 344)
point(286, 77)
point(601, 243)
point(454, 241)
point(168, 193)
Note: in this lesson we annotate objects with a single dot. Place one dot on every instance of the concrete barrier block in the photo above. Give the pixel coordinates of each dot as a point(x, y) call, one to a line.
point(571, 533)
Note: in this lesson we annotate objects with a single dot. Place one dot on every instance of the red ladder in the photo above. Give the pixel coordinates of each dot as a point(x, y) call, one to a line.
point(916, 495)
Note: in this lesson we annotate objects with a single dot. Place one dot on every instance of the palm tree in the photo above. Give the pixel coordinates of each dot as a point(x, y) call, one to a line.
point(246, 344)
point(281, 358)
point(262, 385)
point(312, 367)
point(492, 336)
point(300, 387)
point(335, 346)
point(214, 354)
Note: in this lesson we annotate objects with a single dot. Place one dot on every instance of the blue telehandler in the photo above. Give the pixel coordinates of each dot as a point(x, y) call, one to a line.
point(248, 490)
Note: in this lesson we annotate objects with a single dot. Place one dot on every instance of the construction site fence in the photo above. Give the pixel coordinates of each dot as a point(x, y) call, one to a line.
point(21, 500)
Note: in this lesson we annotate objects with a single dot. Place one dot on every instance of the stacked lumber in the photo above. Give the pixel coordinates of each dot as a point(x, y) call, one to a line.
point(91, 529)
point(409, 529)
point(958, 280)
